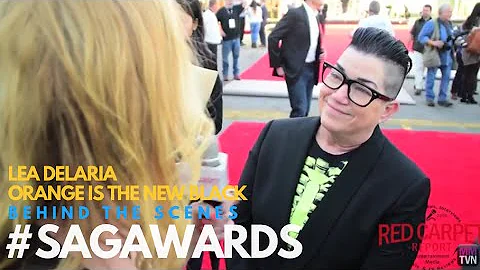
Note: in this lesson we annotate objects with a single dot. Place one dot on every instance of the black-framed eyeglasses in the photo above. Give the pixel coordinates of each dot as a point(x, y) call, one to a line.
point(358, 93)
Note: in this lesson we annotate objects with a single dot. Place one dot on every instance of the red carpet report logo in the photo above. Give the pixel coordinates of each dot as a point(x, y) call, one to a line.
point(440, 236)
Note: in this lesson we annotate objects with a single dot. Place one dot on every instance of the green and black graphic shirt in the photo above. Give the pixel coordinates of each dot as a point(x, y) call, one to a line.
point(318, 175)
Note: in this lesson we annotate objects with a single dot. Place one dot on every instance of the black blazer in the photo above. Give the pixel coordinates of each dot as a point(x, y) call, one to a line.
point(380, 185)
point(293, 31)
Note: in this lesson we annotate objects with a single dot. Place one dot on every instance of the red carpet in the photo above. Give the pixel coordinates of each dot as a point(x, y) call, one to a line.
point(335, 41)
point(449, 159)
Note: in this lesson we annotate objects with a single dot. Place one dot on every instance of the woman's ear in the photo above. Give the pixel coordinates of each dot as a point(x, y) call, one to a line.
point(390, 109)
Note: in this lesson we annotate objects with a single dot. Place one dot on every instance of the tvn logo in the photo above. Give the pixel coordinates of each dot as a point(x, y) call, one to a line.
point(467, 255)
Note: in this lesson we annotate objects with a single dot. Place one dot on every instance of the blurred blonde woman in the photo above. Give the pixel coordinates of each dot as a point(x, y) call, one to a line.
point(98, 83)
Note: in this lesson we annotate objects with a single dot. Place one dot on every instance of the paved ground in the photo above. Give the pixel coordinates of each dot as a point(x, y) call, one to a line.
point(459, 118)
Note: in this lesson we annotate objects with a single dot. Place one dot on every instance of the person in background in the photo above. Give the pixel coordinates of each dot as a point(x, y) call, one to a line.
point(457, 83)
point(342, 178)
point(254, 13)
point(376, 20)
point(213, 38)
point(229, 18)
point(444, 46)
point(471, 61)
point(417, 55)
point(242, 25)
point(323, 17)
point(295, 51)
point(406, 12)
point(345, 6)
point(263, 37)
point(195, 30)
point(99, 83)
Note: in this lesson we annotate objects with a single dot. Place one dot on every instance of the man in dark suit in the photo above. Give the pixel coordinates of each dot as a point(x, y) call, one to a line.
point(294, 48)
point(337, 177)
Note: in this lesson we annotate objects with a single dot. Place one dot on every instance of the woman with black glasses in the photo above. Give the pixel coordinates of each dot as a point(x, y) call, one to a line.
point(336, 178)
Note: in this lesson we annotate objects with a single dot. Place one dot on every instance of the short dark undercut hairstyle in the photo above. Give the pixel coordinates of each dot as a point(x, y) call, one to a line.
point(379, 43)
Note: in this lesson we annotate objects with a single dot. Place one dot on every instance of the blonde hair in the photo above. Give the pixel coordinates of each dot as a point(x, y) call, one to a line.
point(99, 83)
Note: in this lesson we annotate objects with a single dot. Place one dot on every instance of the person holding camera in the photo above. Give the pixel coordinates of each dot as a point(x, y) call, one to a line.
point(437, 34)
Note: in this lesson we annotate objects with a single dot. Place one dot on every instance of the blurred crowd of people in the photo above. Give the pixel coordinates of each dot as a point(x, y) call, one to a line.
point(232, 17)
point(434, 39)
point(440, 45)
